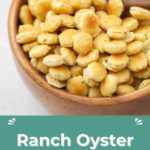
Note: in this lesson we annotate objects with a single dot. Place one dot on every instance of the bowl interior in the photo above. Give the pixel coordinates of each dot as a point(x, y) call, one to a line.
point(32, 73)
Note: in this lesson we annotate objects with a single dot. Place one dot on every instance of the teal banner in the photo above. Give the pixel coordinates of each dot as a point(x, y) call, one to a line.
point(75, 133)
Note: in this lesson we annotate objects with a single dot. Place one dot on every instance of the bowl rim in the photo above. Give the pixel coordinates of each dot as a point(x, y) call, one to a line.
point(40, 81)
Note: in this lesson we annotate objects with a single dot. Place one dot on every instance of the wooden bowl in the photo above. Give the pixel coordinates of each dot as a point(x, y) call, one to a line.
point(60, 102)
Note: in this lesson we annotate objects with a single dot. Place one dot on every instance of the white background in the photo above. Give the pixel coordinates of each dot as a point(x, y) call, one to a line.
point(15, 99)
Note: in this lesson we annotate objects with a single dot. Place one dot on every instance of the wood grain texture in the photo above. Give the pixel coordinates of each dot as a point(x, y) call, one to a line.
point(61, 102)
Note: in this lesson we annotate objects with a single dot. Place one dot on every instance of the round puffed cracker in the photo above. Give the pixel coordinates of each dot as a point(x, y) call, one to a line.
point(55, 83)
point(140, 13)
point(130, 23)
point(118, 62)
point(122, 76)
point(48, 38)
point(109, 86)
point(79, 14)
point(109, 21)
point(68, 55)
point(83, 43)
point(96, 71)
point(66, 37)
point(27, 37)
point(77, 86)
point(134, 47)
point(115, 47)
point(92, 56)
point(39, 51)
point(25, 15)
point(52, 24)
point(53, 60)
point(125, 89)
point(115, 7)
point(60, 73)
point(89, 23)
point(137, 62)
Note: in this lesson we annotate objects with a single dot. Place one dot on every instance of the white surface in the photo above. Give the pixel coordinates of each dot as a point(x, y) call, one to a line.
point(15, 99)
